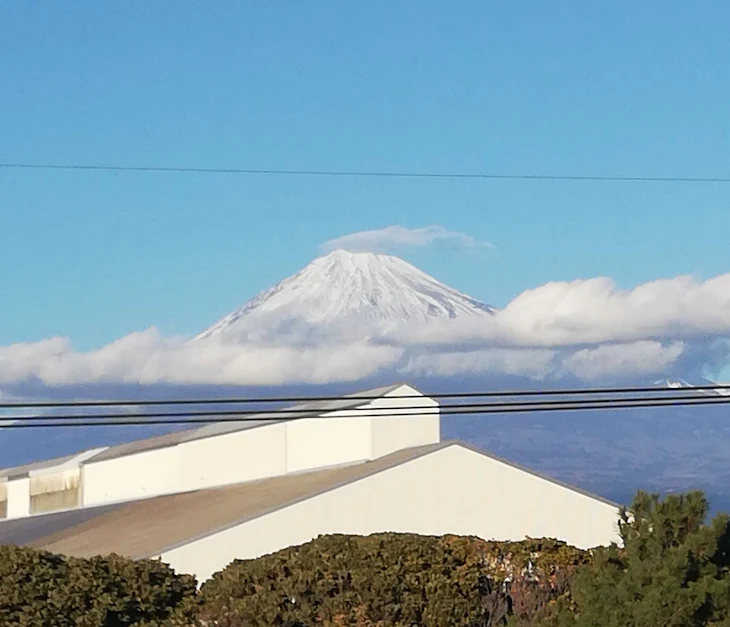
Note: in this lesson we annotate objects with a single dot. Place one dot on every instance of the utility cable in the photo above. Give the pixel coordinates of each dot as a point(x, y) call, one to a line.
point(365, 173)
point(351, 412)
point(484, 409)
point(364, 398)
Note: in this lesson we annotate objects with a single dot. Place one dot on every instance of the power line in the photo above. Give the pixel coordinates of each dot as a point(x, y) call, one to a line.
point(364, 398)
point(387, 411)
point(485, 409)
point(365, 173)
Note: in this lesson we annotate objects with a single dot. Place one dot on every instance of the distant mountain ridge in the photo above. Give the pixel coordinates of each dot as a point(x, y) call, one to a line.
point(353, 293)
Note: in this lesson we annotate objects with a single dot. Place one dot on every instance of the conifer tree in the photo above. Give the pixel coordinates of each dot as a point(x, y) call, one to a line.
point(671, 570)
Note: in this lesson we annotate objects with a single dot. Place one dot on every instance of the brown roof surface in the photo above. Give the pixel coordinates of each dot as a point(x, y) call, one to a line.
point(148, 527)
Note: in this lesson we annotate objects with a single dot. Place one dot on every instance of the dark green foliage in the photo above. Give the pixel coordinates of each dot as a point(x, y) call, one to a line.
point(387, 580)
point(39, 589)
point(672, 570)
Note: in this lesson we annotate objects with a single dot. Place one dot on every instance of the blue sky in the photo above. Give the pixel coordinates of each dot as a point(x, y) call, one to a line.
point(623, 88)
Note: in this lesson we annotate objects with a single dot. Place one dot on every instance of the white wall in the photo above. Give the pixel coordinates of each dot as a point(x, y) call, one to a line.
point(133, 476)
point(374, 429)
point(453, 490)
point(234, 457)
point(327, 441)
point(18, 497)
point(338, 437)
point(406, 427)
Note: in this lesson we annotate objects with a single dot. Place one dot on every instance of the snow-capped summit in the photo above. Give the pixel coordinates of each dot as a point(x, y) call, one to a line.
point(702, 383)
point(351, 291)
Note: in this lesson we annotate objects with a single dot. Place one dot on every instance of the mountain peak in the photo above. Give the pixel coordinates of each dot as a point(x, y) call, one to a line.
point(344, 254)
point(354, 292)
point(357, 259)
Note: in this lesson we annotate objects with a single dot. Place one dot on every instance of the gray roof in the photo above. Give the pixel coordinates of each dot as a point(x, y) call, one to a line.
point(29, 529)
point(229, 425)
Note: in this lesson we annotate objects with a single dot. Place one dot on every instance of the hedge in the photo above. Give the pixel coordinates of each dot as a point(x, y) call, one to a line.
point(672, 570)
point(391, 580)
point(40, 589)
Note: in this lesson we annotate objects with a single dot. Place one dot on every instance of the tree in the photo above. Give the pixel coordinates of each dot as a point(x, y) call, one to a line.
point(389, 580)
point(671, 570)
point(38, 589)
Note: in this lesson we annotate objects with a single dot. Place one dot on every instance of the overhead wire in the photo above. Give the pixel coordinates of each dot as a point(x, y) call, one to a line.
point(237, 417)
point(392, 410)
point(364, 173)
point(263, 400)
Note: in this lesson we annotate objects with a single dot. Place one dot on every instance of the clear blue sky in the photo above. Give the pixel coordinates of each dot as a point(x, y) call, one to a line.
point(518, 87)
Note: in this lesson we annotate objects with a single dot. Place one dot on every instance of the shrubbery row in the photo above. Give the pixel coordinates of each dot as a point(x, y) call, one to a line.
point(40, 589)
point(672, 571)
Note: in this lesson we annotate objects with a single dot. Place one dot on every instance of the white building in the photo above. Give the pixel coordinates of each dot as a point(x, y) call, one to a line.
point(370, 463)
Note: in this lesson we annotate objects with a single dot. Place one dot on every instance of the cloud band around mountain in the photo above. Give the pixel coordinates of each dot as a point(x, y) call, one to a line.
point(589, 330)
point(395, 237)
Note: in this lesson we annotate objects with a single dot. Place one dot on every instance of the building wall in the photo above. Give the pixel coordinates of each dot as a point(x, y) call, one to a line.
point(54, 491)
point(327, 441)
point(18, 493)
point(3, 499)
point(453, 490)
point(131, 477)
point(406, 426)
point(374, 429)
point(339, 437)
point(234, 457)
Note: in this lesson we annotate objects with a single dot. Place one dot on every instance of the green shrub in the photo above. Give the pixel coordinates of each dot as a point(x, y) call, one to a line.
point(389, 580)
point(40, 589)
point(672, 570)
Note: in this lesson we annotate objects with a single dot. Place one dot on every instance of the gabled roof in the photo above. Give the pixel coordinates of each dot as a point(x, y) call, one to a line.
point(227, 424)
point(156, 525)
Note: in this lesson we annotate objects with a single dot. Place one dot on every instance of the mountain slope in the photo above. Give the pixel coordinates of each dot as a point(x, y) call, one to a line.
point(350, 292)
point(683, 384)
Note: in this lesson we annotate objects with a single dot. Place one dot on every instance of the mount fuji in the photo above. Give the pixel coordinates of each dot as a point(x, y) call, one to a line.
point(354, 295)
point(351, 297)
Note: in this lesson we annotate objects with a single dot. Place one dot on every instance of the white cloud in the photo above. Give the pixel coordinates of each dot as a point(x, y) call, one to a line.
point(595, 311)
point(397, 237)
point(643, 358)
point(588, 329)
point(147, 358)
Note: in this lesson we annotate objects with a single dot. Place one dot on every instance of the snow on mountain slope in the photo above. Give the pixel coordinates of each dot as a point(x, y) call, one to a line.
point(703, 383)
point(352, 292)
